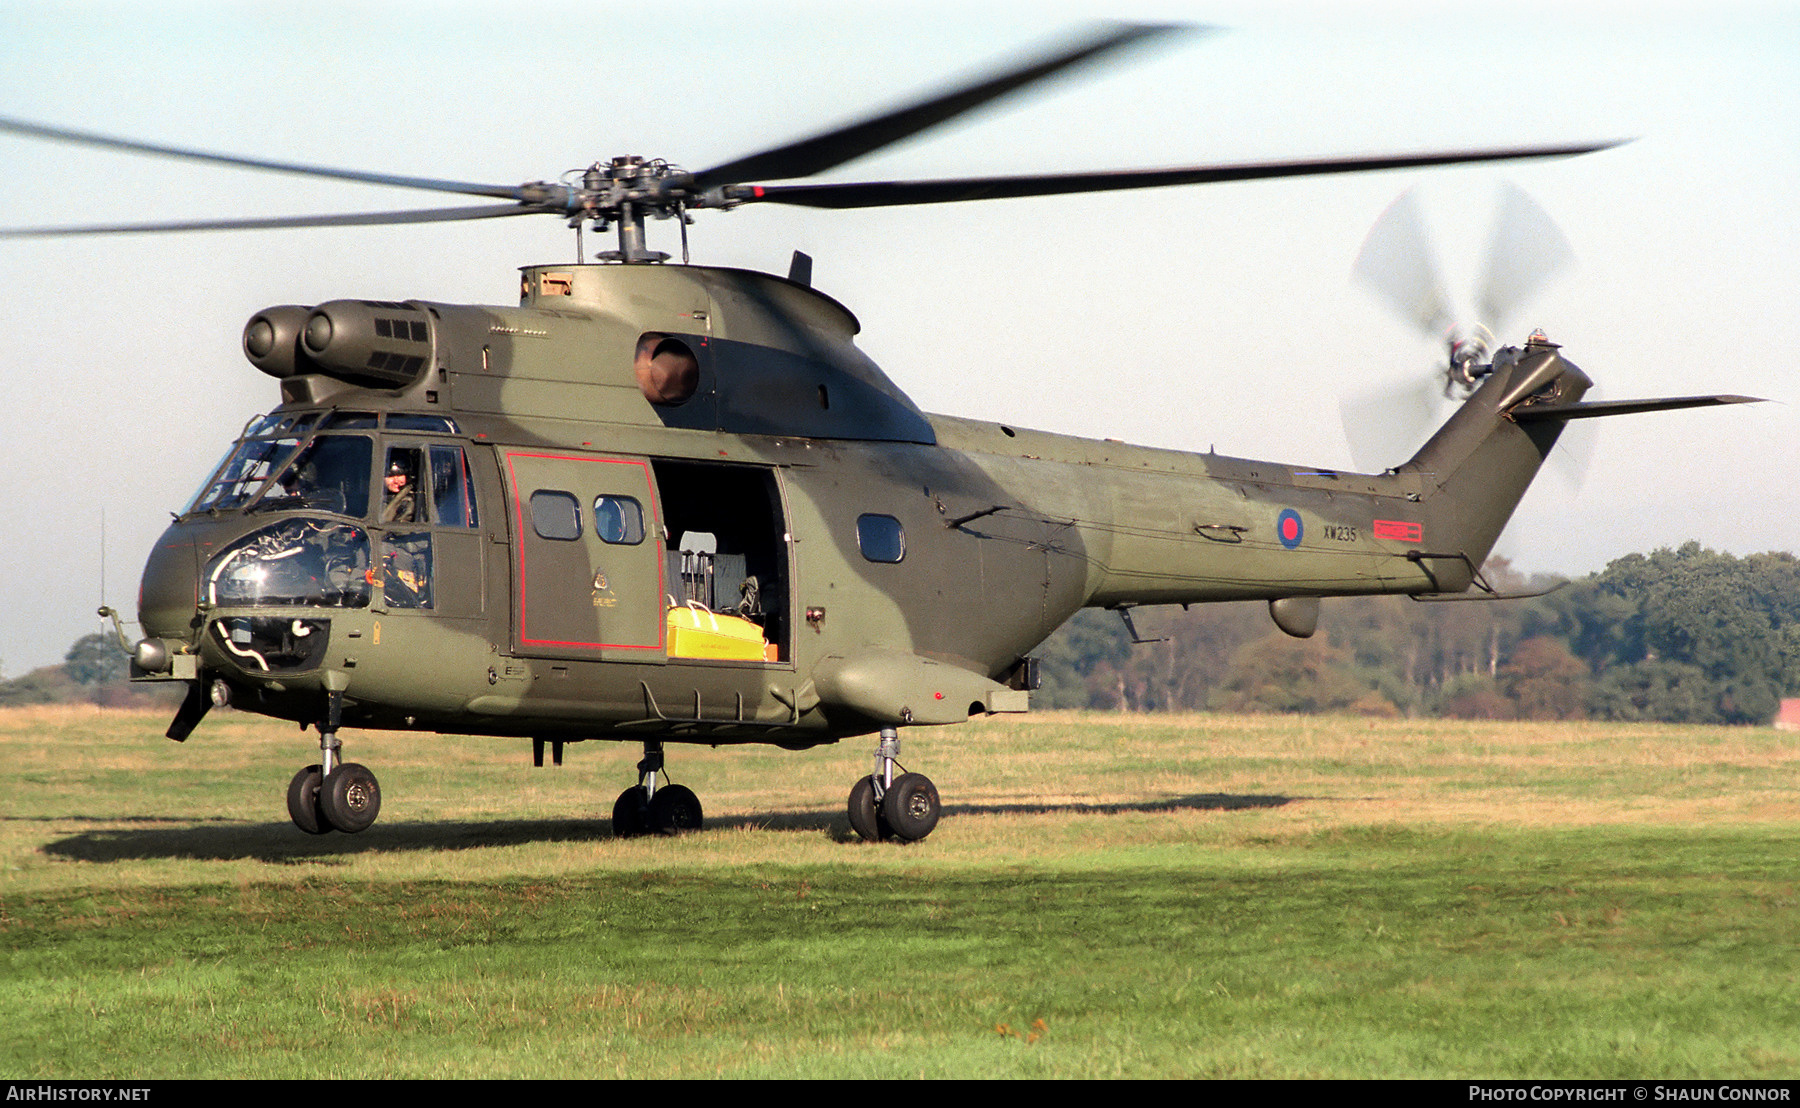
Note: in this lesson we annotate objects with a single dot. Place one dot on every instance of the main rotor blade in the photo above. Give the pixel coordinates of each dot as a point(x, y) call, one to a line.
point(876, 194)
point(132, 146)
point(833, 148)
point(355, 219)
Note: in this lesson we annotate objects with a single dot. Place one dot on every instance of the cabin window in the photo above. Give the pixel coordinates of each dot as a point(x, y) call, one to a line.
point(880, 538)
point(555, 515)
point(619, 520)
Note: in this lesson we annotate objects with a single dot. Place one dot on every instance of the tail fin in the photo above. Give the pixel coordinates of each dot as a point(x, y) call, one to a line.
point(1476, 468)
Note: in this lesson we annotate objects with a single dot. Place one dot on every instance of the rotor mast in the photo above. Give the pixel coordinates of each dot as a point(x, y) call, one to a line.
point(627, 192)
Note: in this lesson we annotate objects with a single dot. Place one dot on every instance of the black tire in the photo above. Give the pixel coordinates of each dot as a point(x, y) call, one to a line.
point(911, 808)
point(631, 813)
point(865, 814)
point(350, 798)
point(303, 801)
point(674, 809)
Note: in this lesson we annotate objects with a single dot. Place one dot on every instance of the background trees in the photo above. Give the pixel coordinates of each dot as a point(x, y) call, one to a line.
point(1687, 635)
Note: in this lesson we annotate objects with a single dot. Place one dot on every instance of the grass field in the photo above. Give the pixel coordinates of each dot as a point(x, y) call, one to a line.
point(1140, 896)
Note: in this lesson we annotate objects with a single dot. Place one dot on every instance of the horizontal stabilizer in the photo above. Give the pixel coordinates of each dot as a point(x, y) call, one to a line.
point(1592, 409)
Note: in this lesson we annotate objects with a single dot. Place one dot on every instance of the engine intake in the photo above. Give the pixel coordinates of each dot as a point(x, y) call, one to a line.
point(272, 341)
point(372, 343)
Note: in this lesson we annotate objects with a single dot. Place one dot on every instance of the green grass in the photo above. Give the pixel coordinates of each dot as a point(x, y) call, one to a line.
point(1107, 896)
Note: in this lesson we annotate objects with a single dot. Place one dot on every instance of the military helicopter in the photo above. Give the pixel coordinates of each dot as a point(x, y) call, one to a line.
point(673, 503)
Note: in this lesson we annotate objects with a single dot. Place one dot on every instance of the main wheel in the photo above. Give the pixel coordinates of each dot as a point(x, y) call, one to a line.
point(303, 801)
point(911, 807)
point(865, 814)
point(675, 808)
point(631, 813)
point(350, 798)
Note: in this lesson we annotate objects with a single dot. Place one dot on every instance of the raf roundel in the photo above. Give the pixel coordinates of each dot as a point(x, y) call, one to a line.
point(1289, 529)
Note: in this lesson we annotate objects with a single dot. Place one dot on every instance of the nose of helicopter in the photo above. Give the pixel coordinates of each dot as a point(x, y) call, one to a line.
point(169, 593)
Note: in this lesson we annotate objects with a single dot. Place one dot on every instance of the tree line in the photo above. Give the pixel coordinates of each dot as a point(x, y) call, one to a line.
point(94, 671)
point(1687, 635)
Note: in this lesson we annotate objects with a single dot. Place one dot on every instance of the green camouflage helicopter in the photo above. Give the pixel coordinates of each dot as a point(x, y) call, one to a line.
point(670, 503)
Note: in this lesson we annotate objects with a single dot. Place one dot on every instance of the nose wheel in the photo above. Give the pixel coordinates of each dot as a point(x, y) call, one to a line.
point(333, 795)
point(885, 807)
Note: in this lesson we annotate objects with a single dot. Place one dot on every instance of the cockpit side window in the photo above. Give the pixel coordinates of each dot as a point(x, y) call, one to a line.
point(330, 475)
point(452, 493)
point(400, 499)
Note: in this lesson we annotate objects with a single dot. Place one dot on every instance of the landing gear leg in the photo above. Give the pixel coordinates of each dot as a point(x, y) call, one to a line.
point(333, 795)
point(884, 806)
point(650, 807)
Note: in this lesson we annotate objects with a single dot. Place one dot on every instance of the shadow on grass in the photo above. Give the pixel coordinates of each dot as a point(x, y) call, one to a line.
point(280, 843)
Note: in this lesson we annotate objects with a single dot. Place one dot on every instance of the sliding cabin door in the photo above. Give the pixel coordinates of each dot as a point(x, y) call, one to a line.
point(588, 565)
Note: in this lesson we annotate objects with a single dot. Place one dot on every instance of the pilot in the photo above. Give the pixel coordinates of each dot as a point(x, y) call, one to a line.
point(400, 504)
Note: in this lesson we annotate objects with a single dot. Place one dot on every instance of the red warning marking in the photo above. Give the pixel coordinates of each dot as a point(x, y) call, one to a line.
point(1399, 530)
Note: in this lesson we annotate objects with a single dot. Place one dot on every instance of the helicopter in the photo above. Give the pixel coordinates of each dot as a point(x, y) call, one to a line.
point(665, 503)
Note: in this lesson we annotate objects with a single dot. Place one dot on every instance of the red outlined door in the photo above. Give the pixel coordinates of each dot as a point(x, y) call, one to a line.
point(588, 562)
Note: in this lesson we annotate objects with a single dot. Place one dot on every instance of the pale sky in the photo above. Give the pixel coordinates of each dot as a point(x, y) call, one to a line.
point(1214, 316)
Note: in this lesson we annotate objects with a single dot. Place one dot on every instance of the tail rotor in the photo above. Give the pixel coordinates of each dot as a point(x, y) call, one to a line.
point(1398, 263)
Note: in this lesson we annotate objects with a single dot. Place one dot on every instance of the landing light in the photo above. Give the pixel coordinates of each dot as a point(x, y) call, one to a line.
point(151, 656)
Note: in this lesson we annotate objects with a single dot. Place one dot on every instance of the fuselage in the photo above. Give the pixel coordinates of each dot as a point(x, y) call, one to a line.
point(569, 552)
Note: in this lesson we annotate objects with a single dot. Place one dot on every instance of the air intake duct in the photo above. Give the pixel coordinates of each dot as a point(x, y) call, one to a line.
point(272, 341)
point(375, 343)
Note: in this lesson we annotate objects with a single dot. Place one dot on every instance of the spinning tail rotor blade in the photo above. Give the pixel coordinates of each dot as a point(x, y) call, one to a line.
point(1399, 264)
point(1574, 453)
point(1526, 250)
point(1387, 426)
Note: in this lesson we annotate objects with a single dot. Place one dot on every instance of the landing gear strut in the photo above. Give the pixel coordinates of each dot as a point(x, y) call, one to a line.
point(333, 795)
point(650, 808)
point(883, 806)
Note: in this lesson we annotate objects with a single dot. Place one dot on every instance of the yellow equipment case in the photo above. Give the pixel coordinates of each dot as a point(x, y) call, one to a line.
point(695, 632)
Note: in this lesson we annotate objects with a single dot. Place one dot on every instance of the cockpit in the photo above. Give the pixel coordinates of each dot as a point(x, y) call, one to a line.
point(364, 499)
